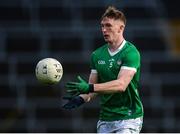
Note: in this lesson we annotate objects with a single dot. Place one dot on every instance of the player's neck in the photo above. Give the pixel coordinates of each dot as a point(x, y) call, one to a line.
point(113, 46)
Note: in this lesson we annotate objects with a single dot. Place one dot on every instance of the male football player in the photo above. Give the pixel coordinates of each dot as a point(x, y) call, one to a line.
point(115, 74)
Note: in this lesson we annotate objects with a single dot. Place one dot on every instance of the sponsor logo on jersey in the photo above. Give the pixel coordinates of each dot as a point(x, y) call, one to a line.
point(129, 112)
point(101, 62)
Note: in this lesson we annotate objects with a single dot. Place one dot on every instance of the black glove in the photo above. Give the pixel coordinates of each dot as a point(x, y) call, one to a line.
point(73, 102)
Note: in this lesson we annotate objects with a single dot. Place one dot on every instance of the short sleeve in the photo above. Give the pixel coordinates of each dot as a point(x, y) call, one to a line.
point(92, 62)
point(131, 59)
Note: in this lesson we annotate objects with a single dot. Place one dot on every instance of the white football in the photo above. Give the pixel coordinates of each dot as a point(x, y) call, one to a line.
point(49, 71)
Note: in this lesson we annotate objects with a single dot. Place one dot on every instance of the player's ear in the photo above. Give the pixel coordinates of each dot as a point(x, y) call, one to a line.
point(122, 27)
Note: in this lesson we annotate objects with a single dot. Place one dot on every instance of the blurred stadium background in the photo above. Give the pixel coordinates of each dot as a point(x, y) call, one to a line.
point(69, 31)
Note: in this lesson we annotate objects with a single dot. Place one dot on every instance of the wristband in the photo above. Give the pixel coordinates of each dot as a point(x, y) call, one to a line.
point(91, 88)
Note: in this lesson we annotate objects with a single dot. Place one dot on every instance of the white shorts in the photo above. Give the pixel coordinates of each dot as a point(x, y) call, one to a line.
point(121, 126)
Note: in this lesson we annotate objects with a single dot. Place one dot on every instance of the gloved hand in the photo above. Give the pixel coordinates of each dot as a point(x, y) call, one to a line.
point(73, 102)
point(81, 87)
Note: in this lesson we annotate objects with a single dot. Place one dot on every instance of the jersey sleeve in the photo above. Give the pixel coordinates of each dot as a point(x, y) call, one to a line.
point(92, 64)
point(131, 60)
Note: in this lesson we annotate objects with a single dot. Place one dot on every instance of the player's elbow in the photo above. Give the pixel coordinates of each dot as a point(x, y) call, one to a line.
point(121, 87)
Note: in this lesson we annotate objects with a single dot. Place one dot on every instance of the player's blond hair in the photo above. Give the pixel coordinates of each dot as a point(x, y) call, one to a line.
point(112, 12)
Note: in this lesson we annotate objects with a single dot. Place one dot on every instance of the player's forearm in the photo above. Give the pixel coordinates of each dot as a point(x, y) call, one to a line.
point(119, 85)
point(110, 87)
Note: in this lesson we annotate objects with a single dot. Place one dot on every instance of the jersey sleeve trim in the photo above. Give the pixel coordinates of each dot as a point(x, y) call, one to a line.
point(94, 71)
point(129, 68)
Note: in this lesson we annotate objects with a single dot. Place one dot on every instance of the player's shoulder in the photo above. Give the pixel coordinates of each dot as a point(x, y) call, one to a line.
point(99, 50)
point(130, 47)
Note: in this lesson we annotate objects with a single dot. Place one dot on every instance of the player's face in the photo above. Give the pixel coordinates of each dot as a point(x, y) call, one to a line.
point(111, 29)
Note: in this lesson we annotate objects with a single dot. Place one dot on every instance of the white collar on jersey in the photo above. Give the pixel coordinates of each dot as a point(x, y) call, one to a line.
point(119, 49)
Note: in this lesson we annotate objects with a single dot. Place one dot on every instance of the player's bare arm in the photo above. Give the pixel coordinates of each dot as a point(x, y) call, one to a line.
point(119, 85)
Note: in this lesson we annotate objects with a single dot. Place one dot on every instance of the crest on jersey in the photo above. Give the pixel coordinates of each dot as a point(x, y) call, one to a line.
point(119, 62)
point(111, 61)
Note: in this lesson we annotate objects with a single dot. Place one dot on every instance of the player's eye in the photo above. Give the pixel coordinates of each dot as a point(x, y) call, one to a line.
point(108, 25)
point(102, 25)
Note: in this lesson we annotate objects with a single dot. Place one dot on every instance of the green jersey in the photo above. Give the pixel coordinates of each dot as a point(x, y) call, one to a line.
point(122, 105)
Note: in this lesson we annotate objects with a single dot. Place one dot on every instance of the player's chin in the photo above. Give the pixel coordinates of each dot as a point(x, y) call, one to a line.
point(107, 39)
